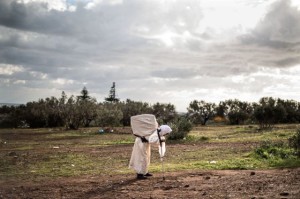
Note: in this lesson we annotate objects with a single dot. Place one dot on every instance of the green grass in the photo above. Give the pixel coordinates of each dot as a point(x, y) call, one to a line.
point(217, 158)
point(52, 153)
point(223, 154)
point(75, 164)
point(241, 133)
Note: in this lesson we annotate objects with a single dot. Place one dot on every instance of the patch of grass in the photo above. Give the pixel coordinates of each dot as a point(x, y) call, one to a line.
point(118, 142)
point(269, 150)
point(286, 163)
point(66, 164)
point(276, 154)
point(193, 138)
point(75, 164)
point(219, 157)
point(87, 152)
point(245, 133)
point(24, 148)
point(62, 165)
point(234, 163)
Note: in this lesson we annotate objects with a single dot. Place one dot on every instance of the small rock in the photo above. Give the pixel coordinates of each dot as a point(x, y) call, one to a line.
point(252, 173)
point(168, 187)
point(12, 153)
point(284, 193)
point(207, 178)
point(186, 185)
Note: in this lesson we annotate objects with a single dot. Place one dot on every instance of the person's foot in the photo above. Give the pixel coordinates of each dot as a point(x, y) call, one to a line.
point(141, 177)
point(148, 174)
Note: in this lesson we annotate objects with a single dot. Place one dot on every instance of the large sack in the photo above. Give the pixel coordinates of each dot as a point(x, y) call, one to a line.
point(143, 125)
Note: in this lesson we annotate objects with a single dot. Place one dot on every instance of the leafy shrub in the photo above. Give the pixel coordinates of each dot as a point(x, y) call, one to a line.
point(269, 150)
point(180, 129)
point(294, 142)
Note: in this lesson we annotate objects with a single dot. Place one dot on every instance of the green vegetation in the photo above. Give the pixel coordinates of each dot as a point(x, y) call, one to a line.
point(180, 129)
point(276, 154)
point(48, 153)
point(84, 111)
point(294, 142)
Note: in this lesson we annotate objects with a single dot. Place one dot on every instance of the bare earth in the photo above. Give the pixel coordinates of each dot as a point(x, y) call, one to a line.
point(283, 183)
point(252, 184)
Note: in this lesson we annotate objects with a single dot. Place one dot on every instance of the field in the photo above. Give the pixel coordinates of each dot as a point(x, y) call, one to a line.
point(212, 162)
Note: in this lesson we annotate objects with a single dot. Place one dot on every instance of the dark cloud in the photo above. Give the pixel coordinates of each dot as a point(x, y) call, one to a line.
point(277, 36)
point(32, 17)
point(281, 25)
point(147, 47)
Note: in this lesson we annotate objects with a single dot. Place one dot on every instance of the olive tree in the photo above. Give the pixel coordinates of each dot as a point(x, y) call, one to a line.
point(268, 112)
point(109, 114)
point(200, 111)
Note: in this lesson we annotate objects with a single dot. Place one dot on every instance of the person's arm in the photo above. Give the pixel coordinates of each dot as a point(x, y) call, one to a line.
point(154, 139)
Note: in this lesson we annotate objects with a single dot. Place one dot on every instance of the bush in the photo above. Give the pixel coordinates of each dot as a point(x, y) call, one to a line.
point(294, 142)
point(269, 150)
point(180, 129)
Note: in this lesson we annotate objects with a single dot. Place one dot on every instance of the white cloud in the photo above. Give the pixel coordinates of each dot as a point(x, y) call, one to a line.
point(230, 14)
point(8, 69)
point(63, 81)
point(19, 82)
point(38, 75)
point(51, 4)
point(193, 49)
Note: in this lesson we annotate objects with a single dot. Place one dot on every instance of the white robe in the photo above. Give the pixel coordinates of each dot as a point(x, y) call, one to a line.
point(141, 153)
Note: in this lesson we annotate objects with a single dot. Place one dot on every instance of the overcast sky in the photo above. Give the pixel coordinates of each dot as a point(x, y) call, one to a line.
point(167, 51)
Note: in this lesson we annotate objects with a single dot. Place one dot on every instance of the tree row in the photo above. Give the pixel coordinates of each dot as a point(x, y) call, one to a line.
point(84, 111)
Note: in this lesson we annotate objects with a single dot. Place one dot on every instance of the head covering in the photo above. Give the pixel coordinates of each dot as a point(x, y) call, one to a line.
point(164, 129)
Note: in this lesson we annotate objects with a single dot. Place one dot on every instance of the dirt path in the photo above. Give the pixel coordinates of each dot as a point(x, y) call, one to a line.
point(193, 184)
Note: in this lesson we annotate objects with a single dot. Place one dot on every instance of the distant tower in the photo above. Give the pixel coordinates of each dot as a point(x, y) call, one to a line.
point(112, 94)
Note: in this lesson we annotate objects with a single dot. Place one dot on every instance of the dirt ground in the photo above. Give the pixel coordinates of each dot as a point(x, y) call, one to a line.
point(191, 184)
point(237, 184)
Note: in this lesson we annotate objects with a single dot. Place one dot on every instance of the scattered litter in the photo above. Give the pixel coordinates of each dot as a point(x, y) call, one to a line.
point(101, 131)
point(73, 165)
point(56, 147)
point(213, 162)
point(106, 130)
